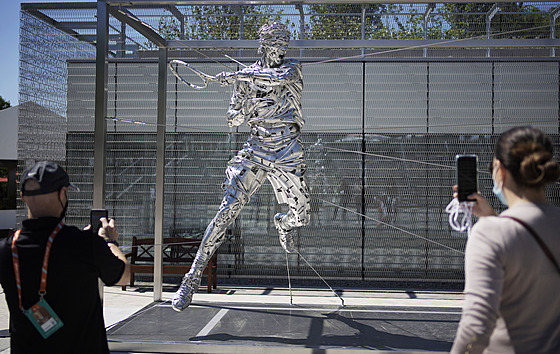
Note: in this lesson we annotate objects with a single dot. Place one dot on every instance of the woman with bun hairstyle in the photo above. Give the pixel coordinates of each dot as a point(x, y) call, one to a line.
point(512, 287)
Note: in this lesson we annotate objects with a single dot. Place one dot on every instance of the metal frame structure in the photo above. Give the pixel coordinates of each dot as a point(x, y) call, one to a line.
point(113, 7)
point(118, 10)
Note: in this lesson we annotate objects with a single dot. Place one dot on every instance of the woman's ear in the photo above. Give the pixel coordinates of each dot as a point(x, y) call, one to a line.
point(501, 173)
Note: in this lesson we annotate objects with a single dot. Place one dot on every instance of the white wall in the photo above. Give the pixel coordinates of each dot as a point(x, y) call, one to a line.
point(8, 133)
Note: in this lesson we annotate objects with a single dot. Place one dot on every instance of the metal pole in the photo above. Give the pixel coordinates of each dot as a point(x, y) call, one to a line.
point(239, 13)
point(552, 34)
point(122, 44)
point(427, 13)
point(100, 125)
point(160, 172)
point(100, 128)
point(182, 35)
point(489, 16)
point(299, 7)
point(553, 16)
point(363, 37)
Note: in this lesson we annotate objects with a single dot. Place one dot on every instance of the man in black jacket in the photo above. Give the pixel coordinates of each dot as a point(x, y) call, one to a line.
point(49, 271)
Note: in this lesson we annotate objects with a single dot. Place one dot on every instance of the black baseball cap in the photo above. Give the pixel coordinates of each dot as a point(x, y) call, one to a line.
point(50, 176)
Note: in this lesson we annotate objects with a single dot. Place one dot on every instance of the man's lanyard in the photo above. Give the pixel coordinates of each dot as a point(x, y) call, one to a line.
point(15, 259)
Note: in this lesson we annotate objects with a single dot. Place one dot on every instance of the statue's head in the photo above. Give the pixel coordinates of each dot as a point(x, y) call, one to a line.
point(274, 33)
point(274, 38)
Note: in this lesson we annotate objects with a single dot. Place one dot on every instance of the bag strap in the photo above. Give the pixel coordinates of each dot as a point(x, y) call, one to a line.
point(538, 239)
point(15, 260)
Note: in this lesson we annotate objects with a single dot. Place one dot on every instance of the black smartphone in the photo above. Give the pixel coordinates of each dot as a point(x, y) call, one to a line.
point(467, 176)
point(95, 215)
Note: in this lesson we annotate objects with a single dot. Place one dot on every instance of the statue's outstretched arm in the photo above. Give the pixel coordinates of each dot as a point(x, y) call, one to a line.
point(282, 75)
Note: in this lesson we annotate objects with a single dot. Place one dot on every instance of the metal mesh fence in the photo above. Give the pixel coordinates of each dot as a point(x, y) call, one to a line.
point(380, 134)
point(444, 22)
point(380, 154)
point(403, 234)
point(44, 51)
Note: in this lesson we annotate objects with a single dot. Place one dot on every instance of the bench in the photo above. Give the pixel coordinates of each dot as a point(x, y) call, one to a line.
point(178, 255)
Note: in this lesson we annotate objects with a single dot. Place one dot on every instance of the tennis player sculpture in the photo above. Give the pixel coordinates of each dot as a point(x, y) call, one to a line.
point(266, 95)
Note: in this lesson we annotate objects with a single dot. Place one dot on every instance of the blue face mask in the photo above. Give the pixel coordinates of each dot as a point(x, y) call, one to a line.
point(499, 192)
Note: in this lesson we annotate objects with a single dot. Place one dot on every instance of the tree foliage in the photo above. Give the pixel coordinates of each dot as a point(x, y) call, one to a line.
point(514, 20)
point(217, 22)
point(343, 21)
point(222, 22)
point(411, 26)
point(4, 103)
point(169, 28)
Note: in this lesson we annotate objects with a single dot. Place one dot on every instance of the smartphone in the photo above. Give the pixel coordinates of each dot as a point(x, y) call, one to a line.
point(95, 215)
point(467, 176)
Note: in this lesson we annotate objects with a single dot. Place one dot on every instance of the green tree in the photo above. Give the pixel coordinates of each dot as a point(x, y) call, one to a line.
point(344, 21)
point(4, 103)
point(217, 22)
point(222, 22)
point(515, 20)
point(169, 27)
point(413, 27)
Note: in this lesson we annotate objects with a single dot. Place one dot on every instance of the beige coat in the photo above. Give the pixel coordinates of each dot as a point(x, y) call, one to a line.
point(512, 290)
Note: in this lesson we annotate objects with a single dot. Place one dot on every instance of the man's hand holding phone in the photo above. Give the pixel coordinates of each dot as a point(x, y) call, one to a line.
point(108, 229)
point(95, 217)
point(103, 226)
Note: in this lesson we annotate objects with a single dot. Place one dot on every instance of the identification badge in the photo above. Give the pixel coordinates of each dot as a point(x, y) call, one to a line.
point(43, 318)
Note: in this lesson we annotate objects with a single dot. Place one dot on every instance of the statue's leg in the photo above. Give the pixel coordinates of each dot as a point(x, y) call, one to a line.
point(239, 185)
point(292, 190)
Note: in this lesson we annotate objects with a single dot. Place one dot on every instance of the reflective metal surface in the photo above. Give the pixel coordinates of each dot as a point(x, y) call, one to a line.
point(266, 95)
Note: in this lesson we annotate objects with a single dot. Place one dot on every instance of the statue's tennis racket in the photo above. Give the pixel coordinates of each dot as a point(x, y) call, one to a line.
point(205, 77)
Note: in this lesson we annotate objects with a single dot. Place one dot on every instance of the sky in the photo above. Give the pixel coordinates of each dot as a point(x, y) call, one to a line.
point(9, 39)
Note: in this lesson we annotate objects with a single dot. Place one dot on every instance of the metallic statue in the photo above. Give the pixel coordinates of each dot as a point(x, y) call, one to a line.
point(266, 95)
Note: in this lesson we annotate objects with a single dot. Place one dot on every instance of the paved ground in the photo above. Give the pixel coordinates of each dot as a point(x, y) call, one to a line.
point(118, 305)
point(254, 319)
point(4, 324)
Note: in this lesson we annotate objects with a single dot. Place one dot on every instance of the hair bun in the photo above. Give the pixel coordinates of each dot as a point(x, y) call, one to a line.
point(538, 167)
point(527, 153)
